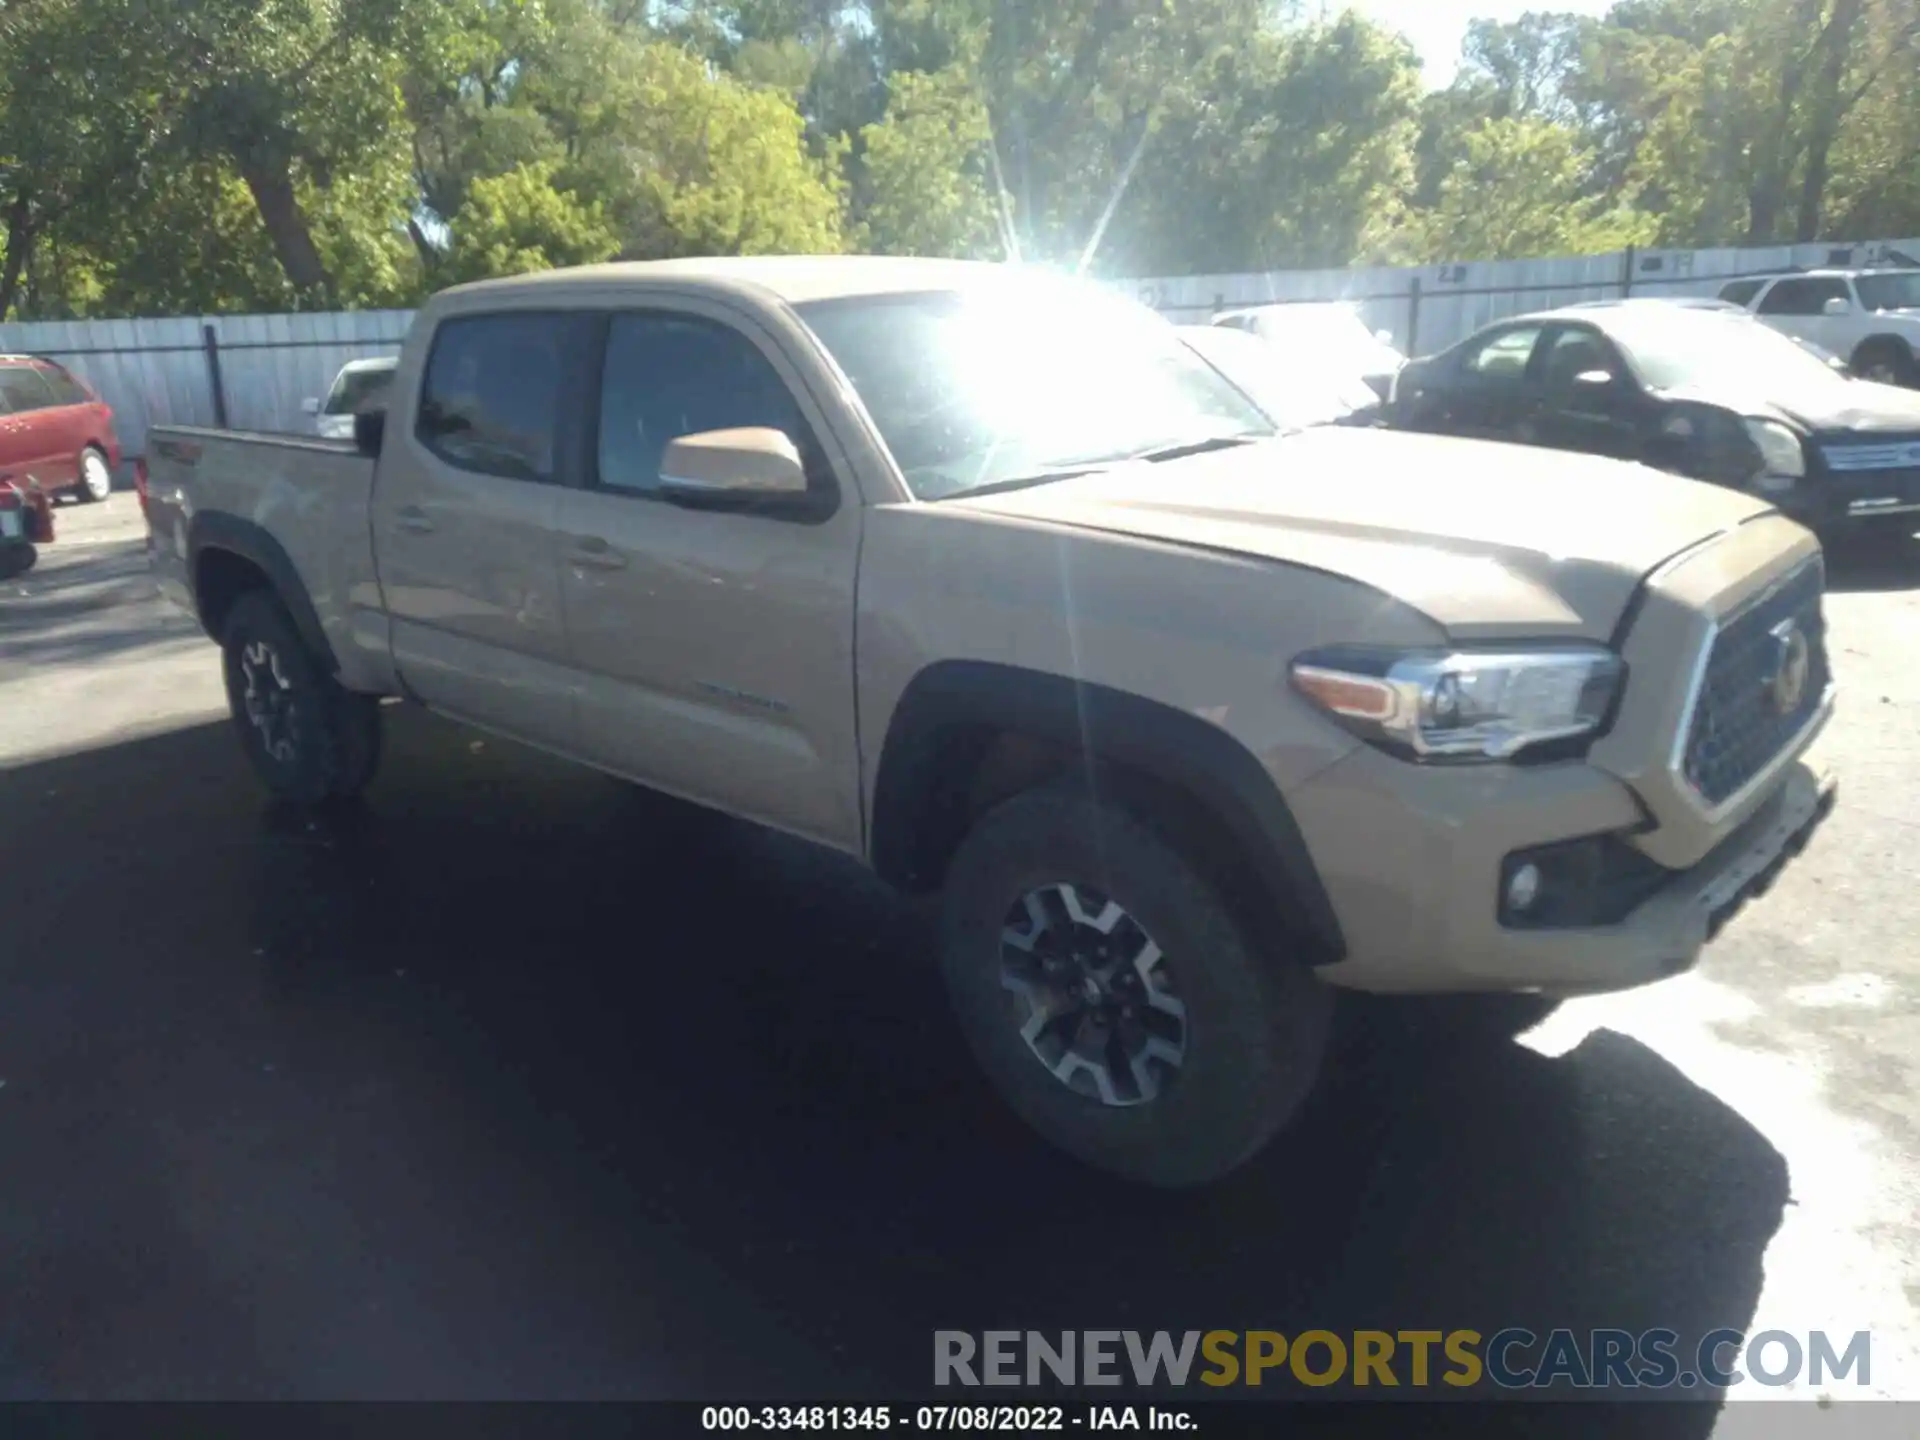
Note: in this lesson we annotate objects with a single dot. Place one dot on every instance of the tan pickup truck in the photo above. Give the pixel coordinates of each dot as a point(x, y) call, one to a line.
point(984, 577)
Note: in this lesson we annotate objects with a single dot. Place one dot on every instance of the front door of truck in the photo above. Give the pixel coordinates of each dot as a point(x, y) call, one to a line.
point(714, 648)
point(465, 504)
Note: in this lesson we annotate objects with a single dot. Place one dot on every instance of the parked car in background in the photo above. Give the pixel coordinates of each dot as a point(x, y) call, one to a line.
point(54, 429)
point(1703, 392)
point(26, 523)
point(983, 577)
point(360, 385)
point(1871, 318)
point(1332, 333)
point(1291, 390)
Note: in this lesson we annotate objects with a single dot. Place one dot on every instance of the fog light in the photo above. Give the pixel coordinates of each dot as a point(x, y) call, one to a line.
point(1523, 888)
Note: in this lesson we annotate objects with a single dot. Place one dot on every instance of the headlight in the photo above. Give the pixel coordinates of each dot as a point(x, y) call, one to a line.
point(1782, 458)
point(1463, 704)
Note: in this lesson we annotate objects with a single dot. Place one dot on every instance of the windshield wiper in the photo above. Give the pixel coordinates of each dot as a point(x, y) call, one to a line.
point(1024, 482)
point(1195, 447)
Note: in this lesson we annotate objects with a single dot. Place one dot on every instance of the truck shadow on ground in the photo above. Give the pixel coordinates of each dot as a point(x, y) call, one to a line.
point(517, 1081)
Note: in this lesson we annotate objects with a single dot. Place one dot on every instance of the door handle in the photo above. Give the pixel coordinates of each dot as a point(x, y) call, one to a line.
point(412, 517)
point(590, 552)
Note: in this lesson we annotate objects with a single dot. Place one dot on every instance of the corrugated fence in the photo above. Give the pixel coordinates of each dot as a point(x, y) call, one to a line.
point(252, 372)
point(246, 372)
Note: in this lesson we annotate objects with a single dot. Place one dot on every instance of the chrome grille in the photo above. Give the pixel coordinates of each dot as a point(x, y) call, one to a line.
point(1749, 706)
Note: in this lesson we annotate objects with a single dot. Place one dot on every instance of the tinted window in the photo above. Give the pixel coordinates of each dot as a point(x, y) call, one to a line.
point(357, 390)
point(1899, 291)
point(491, 394)
point(66, 389)
point(1803, 297)
point(668, 376)
point(1505, 356)
point(1741, 292)
point(1574, 353)
point(24, 388)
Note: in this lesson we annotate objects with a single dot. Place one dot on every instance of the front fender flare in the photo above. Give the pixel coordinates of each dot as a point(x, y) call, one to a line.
point(1168, 745)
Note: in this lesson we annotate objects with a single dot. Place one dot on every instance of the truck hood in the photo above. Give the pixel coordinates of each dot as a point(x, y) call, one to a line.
point(1487, 540)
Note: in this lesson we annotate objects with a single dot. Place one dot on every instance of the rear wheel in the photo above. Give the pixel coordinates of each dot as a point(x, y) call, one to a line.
point(96, 476)
point(308, 738)
point(1114, 998)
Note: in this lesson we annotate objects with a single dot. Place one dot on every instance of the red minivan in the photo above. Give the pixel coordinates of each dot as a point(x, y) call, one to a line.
point(54, 429)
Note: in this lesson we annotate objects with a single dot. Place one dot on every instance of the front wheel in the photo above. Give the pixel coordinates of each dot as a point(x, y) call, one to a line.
point(1113, 997)
point(96, 476)
point(308, 738)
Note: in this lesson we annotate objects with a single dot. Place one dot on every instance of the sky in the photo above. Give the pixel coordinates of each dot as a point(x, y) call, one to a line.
point(1437, 27)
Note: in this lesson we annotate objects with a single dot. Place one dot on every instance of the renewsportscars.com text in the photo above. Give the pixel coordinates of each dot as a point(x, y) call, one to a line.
point(1513, 1359)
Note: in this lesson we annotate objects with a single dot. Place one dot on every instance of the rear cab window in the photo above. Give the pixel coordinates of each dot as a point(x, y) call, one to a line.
point(1741, 292)
point(490, 399)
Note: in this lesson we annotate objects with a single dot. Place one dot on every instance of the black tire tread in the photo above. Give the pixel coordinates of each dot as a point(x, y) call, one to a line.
point(1260, 1022)
point(338, 748)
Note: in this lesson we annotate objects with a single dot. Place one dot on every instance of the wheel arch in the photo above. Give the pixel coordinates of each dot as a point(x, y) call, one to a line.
point(227, 556)
point(967, 734)
point(1883, 341)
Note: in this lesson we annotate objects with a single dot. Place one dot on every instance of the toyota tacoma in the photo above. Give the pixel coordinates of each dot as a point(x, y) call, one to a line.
point(984, 577)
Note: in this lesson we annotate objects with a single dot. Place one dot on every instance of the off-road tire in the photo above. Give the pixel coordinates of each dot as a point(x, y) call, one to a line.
point(1257, 1023)
point(328, 744)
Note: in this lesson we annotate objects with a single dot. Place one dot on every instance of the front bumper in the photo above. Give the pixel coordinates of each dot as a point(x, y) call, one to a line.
point(1836, 504)
point(1415, 858)
point(1662, 936)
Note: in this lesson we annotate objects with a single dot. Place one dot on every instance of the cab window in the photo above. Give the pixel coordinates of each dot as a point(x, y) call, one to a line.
point(1804, 295)
point(490, 399)
point(1504, 356)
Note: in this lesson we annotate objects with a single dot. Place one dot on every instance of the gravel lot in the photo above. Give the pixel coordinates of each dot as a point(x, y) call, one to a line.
point(525, 1083)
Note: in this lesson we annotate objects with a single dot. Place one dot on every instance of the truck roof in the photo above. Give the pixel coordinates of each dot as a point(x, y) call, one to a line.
point(794, 278)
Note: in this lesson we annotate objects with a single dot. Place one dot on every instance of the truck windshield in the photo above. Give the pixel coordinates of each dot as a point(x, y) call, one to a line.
point(1026, 381)
point(1898, 291)
point(354, 388)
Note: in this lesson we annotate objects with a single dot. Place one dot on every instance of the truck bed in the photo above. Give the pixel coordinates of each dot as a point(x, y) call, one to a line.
point(291, 500)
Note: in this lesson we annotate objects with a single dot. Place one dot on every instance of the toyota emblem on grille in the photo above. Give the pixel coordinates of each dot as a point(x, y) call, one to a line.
point(1792, 666)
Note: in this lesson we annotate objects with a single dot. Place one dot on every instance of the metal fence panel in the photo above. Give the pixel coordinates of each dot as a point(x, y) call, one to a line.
point(157, 372)
point(160, 371)
point(1428, 308)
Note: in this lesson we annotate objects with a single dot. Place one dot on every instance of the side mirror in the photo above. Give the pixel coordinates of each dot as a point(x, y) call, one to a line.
point(720, 467)
point(1384, 336)
point(370, 432)
point(1838, 305)
point(311, 405)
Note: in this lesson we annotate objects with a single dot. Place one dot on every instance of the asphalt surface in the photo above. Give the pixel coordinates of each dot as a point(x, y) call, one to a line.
point(521, 1082)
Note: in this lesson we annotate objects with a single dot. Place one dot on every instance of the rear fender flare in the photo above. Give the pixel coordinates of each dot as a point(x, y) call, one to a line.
point(253, 543)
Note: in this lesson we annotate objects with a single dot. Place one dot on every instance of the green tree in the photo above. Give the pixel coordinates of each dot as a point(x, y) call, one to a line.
point(687, 161)
point(518, 222)
point(1294, 149)
point(927, 171)
point(1516, 194)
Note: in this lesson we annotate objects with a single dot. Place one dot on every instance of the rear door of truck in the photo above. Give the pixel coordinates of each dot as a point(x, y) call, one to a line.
point(464, 513)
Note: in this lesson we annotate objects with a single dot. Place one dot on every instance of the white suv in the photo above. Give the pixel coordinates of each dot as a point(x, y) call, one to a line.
point(1870, 318)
